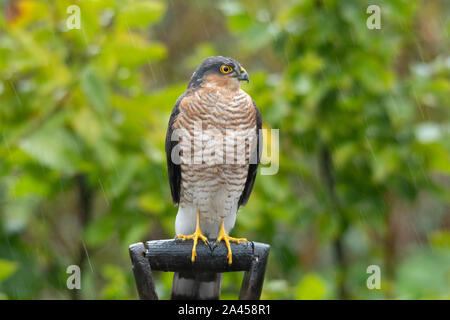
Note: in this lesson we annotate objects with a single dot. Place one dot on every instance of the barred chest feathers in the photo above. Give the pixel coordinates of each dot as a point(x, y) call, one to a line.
point(217, 139)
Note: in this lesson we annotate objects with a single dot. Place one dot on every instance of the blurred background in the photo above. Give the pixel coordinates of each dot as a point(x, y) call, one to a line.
point(364, 174)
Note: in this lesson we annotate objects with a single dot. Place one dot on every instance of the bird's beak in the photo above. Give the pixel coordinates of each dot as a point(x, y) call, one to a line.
point(243, 75)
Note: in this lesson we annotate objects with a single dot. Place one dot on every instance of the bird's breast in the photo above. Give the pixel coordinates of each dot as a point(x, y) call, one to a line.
point(217, 126)
point(217, 140)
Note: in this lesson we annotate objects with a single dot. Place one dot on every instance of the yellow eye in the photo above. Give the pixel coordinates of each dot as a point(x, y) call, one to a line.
point(225, 69)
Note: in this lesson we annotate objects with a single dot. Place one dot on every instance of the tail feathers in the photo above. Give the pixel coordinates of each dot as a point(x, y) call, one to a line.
point(196, 286)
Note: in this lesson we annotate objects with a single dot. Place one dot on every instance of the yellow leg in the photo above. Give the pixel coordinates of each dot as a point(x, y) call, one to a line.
point(196, 235)
point(225, 237)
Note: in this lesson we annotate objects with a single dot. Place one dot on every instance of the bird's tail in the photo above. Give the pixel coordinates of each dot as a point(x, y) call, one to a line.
point(196, 286)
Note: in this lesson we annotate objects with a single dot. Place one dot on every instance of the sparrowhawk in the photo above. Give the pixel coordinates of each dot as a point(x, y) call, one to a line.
point(212, 148)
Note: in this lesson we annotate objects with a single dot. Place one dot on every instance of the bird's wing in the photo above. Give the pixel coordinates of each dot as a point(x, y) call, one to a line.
point(253, 167)
point(173, 169)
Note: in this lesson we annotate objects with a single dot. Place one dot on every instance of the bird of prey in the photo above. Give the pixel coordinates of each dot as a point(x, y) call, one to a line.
point(212, 149)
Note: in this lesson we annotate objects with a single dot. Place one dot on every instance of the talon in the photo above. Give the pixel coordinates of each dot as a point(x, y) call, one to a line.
point(195, 236)
point(225, 237)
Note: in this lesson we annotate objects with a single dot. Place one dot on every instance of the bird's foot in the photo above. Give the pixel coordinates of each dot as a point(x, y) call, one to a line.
point(195, 236)
point(227, 239)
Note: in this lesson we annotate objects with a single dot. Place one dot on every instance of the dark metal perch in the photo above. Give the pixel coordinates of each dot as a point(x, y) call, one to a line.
point(175, 256)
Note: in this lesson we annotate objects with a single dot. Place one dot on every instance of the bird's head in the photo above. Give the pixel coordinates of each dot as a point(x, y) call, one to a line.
point(218, 71)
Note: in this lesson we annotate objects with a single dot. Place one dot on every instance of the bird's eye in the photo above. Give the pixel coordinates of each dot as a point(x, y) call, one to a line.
point(225, 69)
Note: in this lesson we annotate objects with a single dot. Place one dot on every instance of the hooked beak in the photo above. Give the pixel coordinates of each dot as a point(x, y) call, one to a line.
point(243, 75)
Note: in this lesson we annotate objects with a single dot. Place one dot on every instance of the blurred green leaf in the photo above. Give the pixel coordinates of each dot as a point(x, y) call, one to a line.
point(311, 287)
point(424, 274)
point(95, 89)
point(7, 268)
point(54, 147)
point(140, 13)
point(99, 231)
point(440, 239)
point(116, 287)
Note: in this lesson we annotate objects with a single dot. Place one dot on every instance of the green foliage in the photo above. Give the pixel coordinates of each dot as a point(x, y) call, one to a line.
point(7, 268)
point(311, 287)
point(364, 141)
